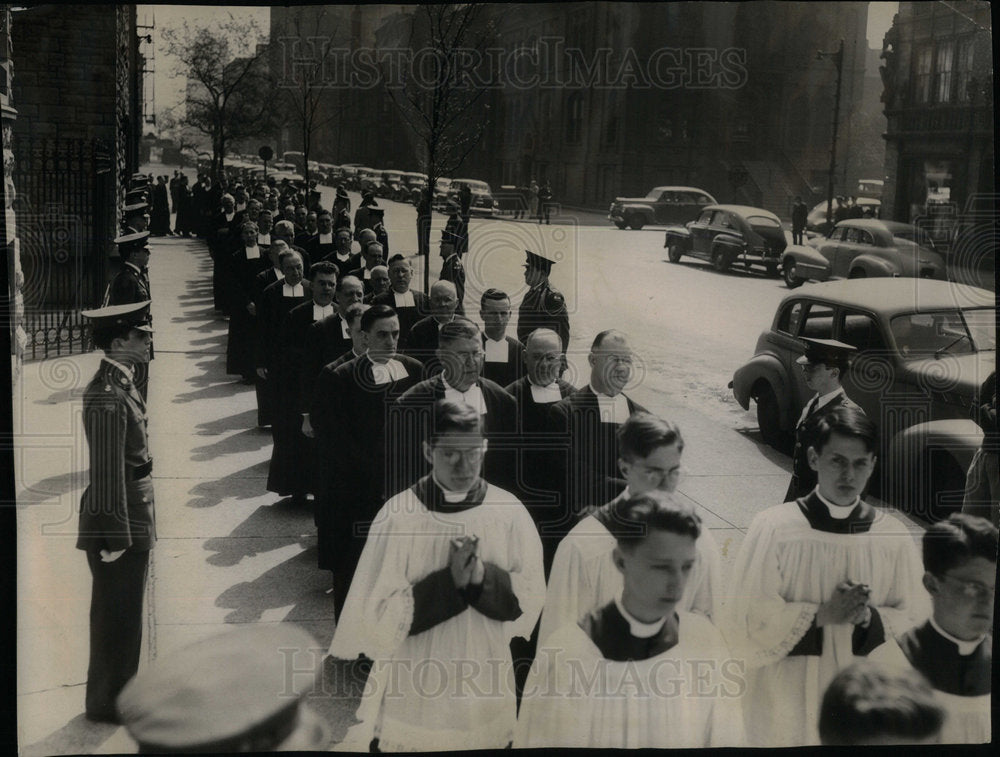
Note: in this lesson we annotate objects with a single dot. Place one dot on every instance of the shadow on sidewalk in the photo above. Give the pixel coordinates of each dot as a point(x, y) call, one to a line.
point(214, 391)
point(78, 736)
point(246, 421)
point(248, 440)
point(211, 493)
point(52, 487)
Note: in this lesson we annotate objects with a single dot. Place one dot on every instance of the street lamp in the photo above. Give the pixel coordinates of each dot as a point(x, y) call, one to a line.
point(838, 58)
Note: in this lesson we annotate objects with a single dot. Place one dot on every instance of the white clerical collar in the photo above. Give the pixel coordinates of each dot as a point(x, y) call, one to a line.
point(368, 273)
point(264, 238)
point(133, 266)
point(240, 207)
point(343, 257)
point(404, 300)
point(123, 368)
point(613, 409)
point(326, 238)
point(278, 273)
point(636, 627)
point(545, 395)
point(496, 351)
point(345, 329)
point(449, 495)
point(230, 216)
point(293, 291)
point(321, 311)
point(838, 512)
point(390, 370)
point(473, 396)
point(965, 648)
point(253, 253)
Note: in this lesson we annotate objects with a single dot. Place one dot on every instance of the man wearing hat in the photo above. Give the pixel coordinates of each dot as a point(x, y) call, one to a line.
point(824, 364)
point(135, 217)
point(116, 511)
point(242, 690)
point(364, 218)
point(131, 285)
point(542, 307)
point(451, 243)
point(341, 209)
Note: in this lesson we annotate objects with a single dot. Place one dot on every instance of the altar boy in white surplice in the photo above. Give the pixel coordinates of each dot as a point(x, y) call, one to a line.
point(636, 672)
point(819, 582)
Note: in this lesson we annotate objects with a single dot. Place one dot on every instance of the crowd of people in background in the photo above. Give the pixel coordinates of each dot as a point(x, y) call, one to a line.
point(525, 537)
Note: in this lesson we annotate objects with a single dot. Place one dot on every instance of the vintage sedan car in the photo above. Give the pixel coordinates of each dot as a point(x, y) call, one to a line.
point(442, 190)
point(663, 205)
point(863, 248)
point(924, 349)
point(730, 234)
point(482, 196)
point(389, 185)
point(816, 218)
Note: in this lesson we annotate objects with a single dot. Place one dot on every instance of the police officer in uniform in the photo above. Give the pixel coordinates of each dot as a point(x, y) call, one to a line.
point(116, 511)
point(824, 363)
point(131, 285)
point(453, 270)
point(542, 307)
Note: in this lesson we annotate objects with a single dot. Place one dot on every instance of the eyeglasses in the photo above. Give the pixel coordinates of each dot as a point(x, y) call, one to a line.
point(657, 474)
point(452, 455)
point(970, 589)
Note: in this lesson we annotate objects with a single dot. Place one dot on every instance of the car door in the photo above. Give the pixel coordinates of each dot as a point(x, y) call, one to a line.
point(848, 249)
point(665, 207)
point(873, 374)
point(699, 231)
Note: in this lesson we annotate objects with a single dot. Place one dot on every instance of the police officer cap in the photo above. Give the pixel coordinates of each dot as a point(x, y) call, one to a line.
point(134, 314)
point(342, 193)
point(539, 260)
point(136, 195)
point(241, 690)
point(825, 352)
point(135, 209)
point(139, 177)
point(135, 239)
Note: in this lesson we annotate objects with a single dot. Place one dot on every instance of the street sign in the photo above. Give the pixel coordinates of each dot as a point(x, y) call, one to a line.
point(265, 153)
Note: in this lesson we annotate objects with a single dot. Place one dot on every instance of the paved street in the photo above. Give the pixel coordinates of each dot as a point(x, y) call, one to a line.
point(228, 552)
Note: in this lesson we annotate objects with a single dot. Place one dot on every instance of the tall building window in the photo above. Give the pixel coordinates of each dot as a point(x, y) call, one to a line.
point(610, 135)
point(574, 117)
point(943, 72)
point(963, 70)
point(922, 81)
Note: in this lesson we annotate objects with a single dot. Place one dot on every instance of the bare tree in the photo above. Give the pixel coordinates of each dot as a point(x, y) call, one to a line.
point(448, 119)
point(227, 96)
point(299, 74)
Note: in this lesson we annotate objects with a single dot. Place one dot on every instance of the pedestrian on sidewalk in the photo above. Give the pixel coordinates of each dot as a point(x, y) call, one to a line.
point(544, 202)
point(116, 511)
point(800, 214)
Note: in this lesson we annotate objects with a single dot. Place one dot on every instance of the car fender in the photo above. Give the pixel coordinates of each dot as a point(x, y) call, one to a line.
point(809, 262)
point(678, 235)
point(646, 211)
point(875, 266)
point(956, 439)
point(732, 242)
point(770, 369)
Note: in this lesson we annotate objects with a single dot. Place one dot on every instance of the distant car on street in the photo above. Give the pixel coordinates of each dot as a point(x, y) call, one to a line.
point(728, 235)
point(924, 348)
point(482, 196)
point(662, 205)
point(816, 218)
point(442, 189)
point(863, 248)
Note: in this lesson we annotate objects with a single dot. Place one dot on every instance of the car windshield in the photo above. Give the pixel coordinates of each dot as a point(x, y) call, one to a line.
point(954, 332)
point(654, 194)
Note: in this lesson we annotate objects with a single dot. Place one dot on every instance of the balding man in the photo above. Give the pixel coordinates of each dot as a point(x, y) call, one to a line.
point(372, 255)
point(589, 420)
point(379, 281)
point(460, 355)
point(422, 342)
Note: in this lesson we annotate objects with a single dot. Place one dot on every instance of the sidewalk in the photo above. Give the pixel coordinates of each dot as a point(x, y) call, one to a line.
point(228, 552)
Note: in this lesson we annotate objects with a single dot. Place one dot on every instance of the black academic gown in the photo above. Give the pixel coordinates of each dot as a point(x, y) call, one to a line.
point(510, 371)
point(410, 423)
point(348, 412)
point(588, 470)
point(422, 342)
point(272, 307)
point(327, 342)
point(321, 250)
point(241, 290)
point(803, 477)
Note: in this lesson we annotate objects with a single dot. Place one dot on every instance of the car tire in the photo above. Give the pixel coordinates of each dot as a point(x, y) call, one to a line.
point(720, 261)
point(857, 273)
point(621, 224)
point(674, 253)
point(769, 418)
point(634, 221)
point(788, 274)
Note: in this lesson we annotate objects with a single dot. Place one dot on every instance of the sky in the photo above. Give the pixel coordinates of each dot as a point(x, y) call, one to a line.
point(169, 89)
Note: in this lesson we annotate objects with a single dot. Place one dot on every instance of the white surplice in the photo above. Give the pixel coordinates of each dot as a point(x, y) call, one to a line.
point(688, 696)
point(785, 569)
point(437, 678)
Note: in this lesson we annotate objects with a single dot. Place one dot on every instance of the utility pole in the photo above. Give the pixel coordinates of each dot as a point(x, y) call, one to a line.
point(838, 58)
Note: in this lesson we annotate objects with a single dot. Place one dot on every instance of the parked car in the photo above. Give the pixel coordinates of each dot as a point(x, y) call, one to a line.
point(368, 179)
point(389, 184)
point(816, 218)
point(414, 183)
point(482, 196)
point(863, 248)
point(442, 190)
point(870, 188)
point(728, 234)
point(924, 348)
point(662, 205)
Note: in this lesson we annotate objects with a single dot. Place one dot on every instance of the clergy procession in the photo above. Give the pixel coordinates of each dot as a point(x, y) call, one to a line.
point(509, 560)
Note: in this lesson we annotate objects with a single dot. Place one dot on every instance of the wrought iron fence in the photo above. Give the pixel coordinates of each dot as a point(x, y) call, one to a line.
point(65, 219)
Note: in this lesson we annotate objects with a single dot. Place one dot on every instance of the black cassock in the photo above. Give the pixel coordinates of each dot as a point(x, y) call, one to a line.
point(327, 343)
point(272, 307)
point(348, 412)
point(410, 420)
point(241, 290)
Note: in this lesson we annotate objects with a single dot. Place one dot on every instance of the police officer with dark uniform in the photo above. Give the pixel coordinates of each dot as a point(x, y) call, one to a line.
point(824, 364)
point(242, 690)
point(116, 511)
point(131, 285)
point(453, 269)
point(542, 307)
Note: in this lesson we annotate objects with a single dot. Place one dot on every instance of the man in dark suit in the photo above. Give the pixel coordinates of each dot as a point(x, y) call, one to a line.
point(453, 269)
point(241, 292)
point(589, 420)
point(116, 512)
point(131, 285)
point(330, 338)
point(358, 345)
point(323, 243)
point(291, 471)
point(422, 342)
point(410, 305)
point(371, 255)
point(504, 356)
point(460, 353)
point(824, 364)
point(285, 232)
point(343, 254)
point(349, 419)
point(800, 215)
